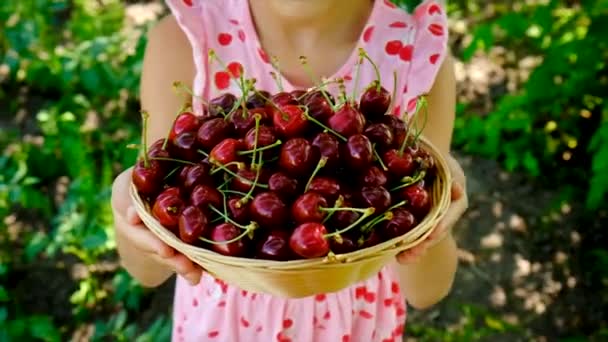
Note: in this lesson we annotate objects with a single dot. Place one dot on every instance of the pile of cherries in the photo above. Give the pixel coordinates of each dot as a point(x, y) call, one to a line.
point(289, 175)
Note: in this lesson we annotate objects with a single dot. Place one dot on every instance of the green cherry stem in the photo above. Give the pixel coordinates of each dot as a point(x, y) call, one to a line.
point(387, 216)
point(424, 104)
point(228, 191)
point(319, 87)
point(338, 204)
point(394, 98)
point(356, 210)
point(255, 142)
point(309, 71)
point(317, 122)
point(357, 76)
point(261, 149)
point(171, 173)
point(320, 165)
point(178, 85)
point(248, 230)
point(379, 158)
point(226, 217)
point(173, 160)
point(249, 194)
point(181, 110)
point(144, 117)
point(398, 205)
point(407, 181)
point(203, 153)
point(364, 54)
point(367, 213)
point(213, 56)
point(221, 167)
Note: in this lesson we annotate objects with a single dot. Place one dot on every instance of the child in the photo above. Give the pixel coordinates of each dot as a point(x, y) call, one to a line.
point(329, 32)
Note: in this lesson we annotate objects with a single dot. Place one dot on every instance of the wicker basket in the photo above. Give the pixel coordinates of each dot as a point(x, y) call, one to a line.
point(302, 278)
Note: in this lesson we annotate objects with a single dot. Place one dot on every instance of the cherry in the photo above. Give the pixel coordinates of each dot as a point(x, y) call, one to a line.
point(370, 239)
point(373, 176)
point(192, 224)
point(298, 157)
point(148, 180)
point(298, 93)
point(358, 151)
point(418, 198)
point(185, 122)
point(184, 146)
point(398, 127)
point(374, 196)
point(193, 175)
point(344, 244)
point(268, 210)
point(307, 208)
point(167, 208)
point(289, 121)
point(399, 165)
point(244, 121)
point(275, 246)
point(222, 105)
point(238, 210)
point(226, 232)
point(283, 99)
point(265, 136)
point(258, 99)
point(246, 179)
point(402, 221)
point(375, 102)
point(308, 240)
point(380, 134)
point(343, 218)
point(327, 187)
point(212, 132)
point(329, 147)
point(318, 107)
point(226, 151)
point(283, 185)
point(347, 121)
point(204, 195)
point(156, 150)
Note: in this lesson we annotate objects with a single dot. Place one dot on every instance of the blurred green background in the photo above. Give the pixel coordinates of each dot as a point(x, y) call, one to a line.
point(532, 133)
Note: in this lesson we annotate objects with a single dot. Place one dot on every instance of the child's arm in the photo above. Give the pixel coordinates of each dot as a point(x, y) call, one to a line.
point(430, 278)
point(168, 58)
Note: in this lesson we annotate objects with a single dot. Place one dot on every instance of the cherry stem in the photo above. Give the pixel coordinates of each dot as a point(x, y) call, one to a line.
point(338, 204)
point(366, 213)
point(264, 148)
point(227, 218)
point(144, 117)
point(255, 142)
point(221, 167)
point(309, 71)
point(423, 104)
point(379, 158)
point(387, 216)
point(317, 122)
point(228, 191)
point(407, 181)
point(357, 76)
point(180, 111)
point(356, 210)
point(254, 184)
point(214, 56)
point(171, 173)
point(342, 88)
point(364, 54)
point(398, 205)
point(203, 153)
point(177, 85)
point(394, 98)
point(250, 228)
point(320, 165)
point(319, 87)
point(285, 116)
point(173, 160)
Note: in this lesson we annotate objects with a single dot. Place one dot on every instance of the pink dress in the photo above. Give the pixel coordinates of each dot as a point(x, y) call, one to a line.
point(413, 45)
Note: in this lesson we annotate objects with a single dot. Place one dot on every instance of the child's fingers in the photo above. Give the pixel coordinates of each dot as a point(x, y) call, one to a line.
point(132, 216)
point(146, 241)
point(184, 266)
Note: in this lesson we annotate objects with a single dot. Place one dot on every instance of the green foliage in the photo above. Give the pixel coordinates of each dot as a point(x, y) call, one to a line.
point(555, 125)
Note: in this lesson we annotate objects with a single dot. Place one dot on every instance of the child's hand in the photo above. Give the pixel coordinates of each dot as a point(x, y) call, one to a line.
point(457, 208)
point(139, 245)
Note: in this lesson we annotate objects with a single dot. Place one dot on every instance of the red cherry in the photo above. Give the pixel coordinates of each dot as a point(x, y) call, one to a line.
point(222, 80)
point(344, 244)
point(212, 132)
point(318, 106)
point(283, 185)
point(268, 210)
point(265, 136)
point(289, 121)
point(193, 175)
point(418, 198)
point(243, 121)
point(184, 147)
point(401, 223)
point(343, 218)
point(399, 165)
point(327, 187)
point(204, 195)
point(329, 147)
point(259, 99)
point(393, 47)
point(374, 102)
point(371, 239)
point(226, 151)
point(222, 104)
point(374, 196)
point(167, 208)
point(185, 122)
point(148, 180)
point(358, 152)
point(307, 208)
point(156, 150)
point(347, 121)
point(398, 128)
point(226, 232)
point(298, 158)
point(297, 94)
point(193, 224)
point(381, 135)
point(238, 210)
point(308, 240)
point(373, 176)
point(224, 39)
point(283, 99)
point(246, 179)
point(406, 53)
point(275, 246)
